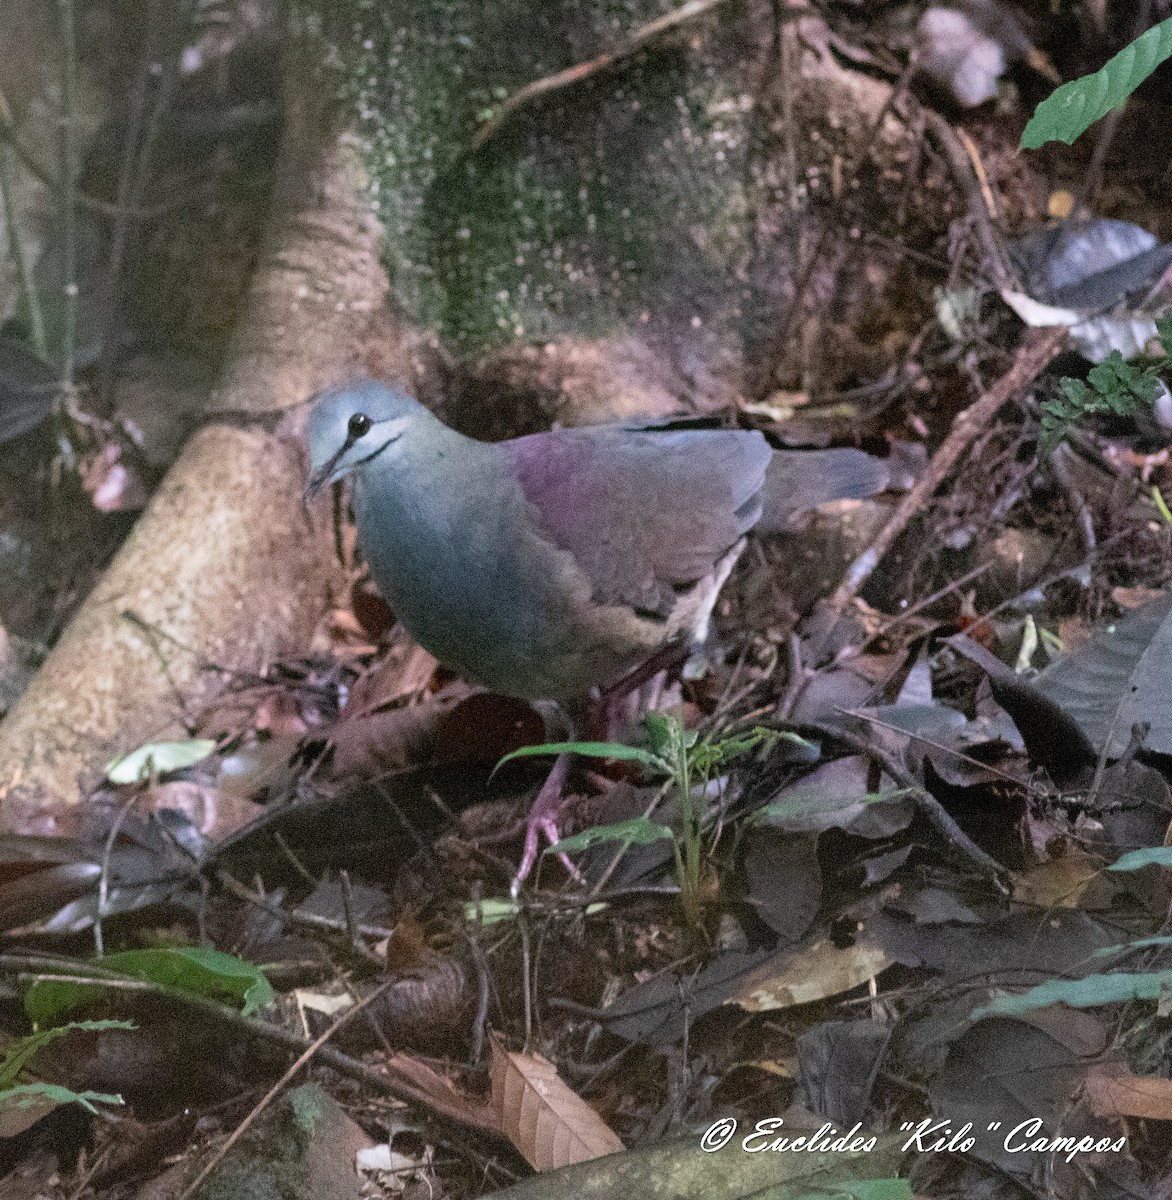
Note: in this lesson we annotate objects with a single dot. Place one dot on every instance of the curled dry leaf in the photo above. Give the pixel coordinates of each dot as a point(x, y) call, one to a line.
point(811, 974)
point(426, 1004)
point(549, 1123)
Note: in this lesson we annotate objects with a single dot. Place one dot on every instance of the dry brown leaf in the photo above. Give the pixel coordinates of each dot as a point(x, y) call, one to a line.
point(451, 726)
point(388, 740)
point(1116, 1092)
point(1074, 633)
point(1064, 882)
point(214, 812)
point(339, 635)
point(549, 1123)
point(877, 668)
point(279, 715)
point(443, 1094)
point(404, 672)
point(812, 974)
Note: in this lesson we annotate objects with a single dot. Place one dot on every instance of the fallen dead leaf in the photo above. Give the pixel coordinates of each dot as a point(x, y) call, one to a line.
point(1114, 1091)
point(1135, 597)
point(549, 1123)
point(443, 1094)
point(404, 673)
point(812, 974)
point(1074, 879)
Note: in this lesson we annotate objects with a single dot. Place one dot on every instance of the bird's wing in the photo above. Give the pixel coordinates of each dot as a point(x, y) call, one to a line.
point(643, 512)
point(798, 480)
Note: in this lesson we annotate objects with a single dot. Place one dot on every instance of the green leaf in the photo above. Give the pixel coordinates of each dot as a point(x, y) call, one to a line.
point(1075, 106)
point(662, 731)
point(865, 1189)
point(1161, 505)
point(1079, 993)
point(158, 758)
point(1075, 391)
point(192, 969)
point(1134, 860)
point(491, 910)
point(25, 1094)
point(1129, 947)
point(19, 1053)
point(638, 831)
point(615, 750)
point(709, 755)
point(1164, 332)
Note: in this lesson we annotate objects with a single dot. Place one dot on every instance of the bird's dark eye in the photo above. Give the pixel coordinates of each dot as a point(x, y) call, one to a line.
point(359, 426)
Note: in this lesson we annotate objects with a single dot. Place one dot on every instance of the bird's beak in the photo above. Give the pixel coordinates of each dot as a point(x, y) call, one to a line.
point(323, 475)
point(330, 472)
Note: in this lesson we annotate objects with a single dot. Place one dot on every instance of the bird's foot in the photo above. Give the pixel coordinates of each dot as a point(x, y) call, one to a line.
point(543, 819)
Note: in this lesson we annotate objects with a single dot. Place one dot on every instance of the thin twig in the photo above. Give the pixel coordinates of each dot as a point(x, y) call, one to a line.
point(913, 610)
point(295, 917)
point(293, 860)
point(927, 804)
point(120, 235)
point(1060, 465)
point(526, 954)
point(104, 878)
point(879, 723)
point(303, 1058)
point(356, 943)
point(1031, 359)
point(585, 70)
point(966, 177)
point(24, 274)
point(1088, 191)
point(483, 993)
point(798, 678)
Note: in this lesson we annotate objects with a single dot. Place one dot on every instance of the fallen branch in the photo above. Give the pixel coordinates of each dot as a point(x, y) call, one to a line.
point(221, 1151)
point(402, 1077)
point(1032, 358)
point(927, 804)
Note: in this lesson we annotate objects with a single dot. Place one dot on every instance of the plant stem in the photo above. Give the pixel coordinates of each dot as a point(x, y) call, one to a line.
point(28, 292)
point(66, 125)
point(690, 871)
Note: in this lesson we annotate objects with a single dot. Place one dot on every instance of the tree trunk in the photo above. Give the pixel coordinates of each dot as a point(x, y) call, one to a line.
point(226, 569)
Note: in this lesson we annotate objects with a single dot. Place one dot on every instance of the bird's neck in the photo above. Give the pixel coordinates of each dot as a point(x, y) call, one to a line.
point(426, 480)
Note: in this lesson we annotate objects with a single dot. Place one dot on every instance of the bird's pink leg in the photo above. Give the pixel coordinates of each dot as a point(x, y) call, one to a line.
point(600, 718)
point(543, 818)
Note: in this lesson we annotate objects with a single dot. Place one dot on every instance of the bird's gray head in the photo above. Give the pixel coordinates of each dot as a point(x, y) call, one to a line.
point(352, 423)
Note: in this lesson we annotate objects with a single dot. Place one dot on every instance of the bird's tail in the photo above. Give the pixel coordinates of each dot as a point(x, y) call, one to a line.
point(798, 480)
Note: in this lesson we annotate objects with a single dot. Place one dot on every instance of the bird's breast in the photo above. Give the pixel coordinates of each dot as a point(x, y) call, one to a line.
point(471, 580)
